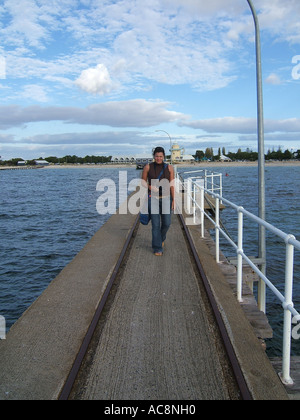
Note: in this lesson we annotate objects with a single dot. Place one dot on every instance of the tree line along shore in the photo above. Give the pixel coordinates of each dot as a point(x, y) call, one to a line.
point(200, 156)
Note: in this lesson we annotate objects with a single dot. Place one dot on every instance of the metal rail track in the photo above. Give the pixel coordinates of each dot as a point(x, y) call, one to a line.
point(66, 391)
point(240, 380)
point(238, 374)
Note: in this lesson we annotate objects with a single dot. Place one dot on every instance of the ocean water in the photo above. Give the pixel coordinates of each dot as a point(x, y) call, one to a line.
point(47, 216)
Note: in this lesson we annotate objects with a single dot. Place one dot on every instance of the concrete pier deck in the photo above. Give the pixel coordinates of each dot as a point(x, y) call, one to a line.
point(159, 341)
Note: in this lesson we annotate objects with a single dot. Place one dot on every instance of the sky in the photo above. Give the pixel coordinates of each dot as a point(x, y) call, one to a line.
point(102, 77)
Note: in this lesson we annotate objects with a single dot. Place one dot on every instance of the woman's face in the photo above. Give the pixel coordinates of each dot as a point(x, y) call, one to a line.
point(159, 158)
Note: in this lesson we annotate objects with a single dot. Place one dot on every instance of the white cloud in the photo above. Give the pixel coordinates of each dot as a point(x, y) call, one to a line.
point(95, 80)
point(243, 125)
point(281, 18)
point(202, 9)
point(36, 93)
point(155, 40)
point(170, 41)
point(133, 113)
point(6, 138)
point(25, 24)
point(289, 125)
point(273, 79)
point(224, 125)
point(81, 138)
point(31, 23)
point(137, 113)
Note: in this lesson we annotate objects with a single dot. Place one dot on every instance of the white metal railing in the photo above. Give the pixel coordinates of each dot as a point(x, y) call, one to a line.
point(212, 181)
point(193, 188)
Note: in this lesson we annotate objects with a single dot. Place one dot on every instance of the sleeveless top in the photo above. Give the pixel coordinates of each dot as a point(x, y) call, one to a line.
point(155, 170)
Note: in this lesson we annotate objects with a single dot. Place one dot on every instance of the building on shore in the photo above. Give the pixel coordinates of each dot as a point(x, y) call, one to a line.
point(179, 156)
point(42, 163)
point(139, 160)
point(224, 159)
point(123, 160)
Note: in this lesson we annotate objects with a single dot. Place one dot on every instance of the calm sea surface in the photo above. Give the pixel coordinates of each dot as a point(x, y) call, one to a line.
point(47, 216)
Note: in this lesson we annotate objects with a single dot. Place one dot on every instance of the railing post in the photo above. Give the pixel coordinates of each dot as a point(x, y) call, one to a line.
point(189, 193)
point(194, 205)
point(221, 187)
point(287, 326)
point(240, 257)
point(217, 230)
point(202, 211)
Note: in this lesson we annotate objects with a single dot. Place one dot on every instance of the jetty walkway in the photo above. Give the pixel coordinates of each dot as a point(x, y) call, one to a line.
point(158, 341)
point(156, 337)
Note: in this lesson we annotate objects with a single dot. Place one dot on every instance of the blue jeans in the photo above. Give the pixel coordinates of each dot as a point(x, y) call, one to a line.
point(161, 221)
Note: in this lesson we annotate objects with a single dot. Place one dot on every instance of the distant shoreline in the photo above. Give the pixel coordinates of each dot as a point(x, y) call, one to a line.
point(183, 165)
point(187, 165)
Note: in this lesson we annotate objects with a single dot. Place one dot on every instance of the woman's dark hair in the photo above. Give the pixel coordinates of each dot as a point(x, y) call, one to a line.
point(159, 150)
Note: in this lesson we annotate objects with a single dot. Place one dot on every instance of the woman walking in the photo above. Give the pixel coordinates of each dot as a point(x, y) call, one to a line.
point(160, 179)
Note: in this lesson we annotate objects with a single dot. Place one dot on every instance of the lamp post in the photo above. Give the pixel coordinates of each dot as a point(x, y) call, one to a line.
point(163, 131)
point(261, 159)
